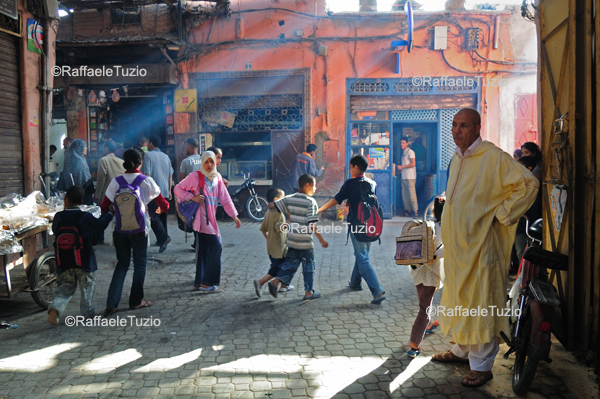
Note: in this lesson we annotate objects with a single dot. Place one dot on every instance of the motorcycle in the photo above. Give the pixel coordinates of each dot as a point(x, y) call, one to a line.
point(532, 300)
point(255, 206)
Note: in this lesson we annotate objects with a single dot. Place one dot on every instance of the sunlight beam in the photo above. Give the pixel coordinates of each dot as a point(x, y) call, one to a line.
point(39, 360)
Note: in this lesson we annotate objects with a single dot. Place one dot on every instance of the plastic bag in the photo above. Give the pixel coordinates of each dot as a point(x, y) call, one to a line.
point(93, 209)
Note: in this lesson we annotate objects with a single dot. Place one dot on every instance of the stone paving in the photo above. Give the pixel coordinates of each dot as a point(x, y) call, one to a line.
point(232, 345)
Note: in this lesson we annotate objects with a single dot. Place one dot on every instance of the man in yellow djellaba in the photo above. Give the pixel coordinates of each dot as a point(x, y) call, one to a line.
point(488, 191)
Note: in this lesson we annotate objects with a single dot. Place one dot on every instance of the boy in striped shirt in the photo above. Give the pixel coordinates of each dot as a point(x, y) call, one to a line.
point(303, 211)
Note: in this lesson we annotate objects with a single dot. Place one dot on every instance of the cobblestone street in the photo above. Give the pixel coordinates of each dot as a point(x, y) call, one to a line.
point(232, 345)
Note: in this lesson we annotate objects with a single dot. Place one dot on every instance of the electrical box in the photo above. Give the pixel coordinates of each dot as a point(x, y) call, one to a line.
point(440, 38)
point(51, 9)
point(471, 38)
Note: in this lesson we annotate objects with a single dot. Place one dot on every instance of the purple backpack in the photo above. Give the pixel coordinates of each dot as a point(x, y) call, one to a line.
point(129, 207)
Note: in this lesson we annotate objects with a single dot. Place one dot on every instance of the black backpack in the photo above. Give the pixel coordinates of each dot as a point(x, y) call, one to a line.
point(367, 223)
point(69, 247)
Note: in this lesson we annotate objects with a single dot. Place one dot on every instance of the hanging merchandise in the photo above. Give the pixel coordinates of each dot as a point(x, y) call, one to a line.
point(116, 96)
point(92, 98)
point(102, 98)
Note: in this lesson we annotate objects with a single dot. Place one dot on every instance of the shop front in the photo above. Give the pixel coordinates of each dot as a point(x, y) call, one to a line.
point(382, 111)
point(257, 119)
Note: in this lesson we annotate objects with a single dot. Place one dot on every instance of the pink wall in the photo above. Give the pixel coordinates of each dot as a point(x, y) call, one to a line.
point(258, 43)
point(31, 64)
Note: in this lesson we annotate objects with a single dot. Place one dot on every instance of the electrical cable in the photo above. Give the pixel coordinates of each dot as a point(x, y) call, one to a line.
point(503, 62)
point(480, 72)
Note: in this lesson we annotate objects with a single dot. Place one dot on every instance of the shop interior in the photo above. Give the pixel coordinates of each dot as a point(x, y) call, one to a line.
point(422, 139)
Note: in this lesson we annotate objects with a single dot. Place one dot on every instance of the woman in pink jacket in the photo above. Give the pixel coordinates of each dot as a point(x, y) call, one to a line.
point(208, 239)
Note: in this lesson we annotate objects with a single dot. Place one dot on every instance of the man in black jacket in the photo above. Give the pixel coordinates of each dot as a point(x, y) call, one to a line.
point(75, 264)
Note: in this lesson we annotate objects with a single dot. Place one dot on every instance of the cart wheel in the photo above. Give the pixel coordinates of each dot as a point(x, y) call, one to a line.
point(42, 279)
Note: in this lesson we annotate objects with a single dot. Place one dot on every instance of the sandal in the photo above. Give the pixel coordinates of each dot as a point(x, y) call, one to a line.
point(433, 327)
point(414, 352)
point(378, 299)
point(143, 304)
point(481, 376)
point(315, 295)
point(447, 357)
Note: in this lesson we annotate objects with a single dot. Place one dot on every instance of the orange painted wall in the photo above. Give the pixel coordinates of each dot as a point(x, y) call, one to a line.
point(345, 59)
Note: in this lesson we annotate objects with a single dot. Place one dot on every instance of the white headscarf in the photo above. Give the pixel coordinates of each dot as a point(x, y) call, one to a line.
point(205, 156)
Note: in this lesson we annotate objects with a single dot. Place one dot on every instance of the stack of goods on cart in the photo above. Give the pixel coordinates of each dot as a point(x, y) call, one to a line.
point(19, 215)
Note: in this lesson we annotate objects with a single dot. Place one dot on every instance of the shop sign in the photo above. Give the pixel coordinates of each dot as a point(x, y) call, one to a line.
point(222, 118)
point(366, 115)
point(186, 101)
point(9, 8)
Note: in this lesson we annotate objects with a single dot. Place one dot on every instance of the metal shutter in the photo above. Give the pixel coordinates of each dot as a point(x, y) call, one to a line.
point(11, 150)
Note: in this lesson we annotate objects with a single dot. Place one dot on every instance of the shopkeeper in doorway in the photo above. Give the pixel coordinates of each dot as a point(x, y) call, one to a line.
point(408, 170)
point(305, 164)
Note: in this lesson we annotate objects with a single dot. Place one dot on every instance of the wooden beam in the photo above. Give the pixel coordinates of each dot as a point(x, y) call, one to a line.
point(62, 45)
point(556, 29)
point(169, 3)
point(596, 263)
point(572, 172)
point(154, 74)
point(585, 96)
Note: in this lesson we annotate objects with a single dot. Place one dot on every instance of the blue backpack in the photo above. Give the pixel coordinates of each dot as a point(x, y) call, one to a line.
point(128, 205)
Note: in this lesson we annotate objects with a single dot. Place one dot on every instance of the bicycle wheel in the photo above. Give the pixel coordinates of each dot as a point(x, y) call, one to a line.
point(428, 213)
point(525, 366)
point(42, 279)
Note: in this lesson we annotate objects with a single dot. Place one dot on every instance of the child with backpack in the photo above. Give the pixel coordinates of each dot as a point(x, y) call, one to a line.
point(276, 248)
point(366, 224)
point(428, 278)
point(129, 195)
point(303, 218)
point(75, 258)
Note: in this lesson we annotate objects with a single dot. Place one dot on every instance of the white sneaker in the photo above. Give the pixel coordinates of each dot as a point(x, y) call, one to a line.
point(286, 289)
point(257, 288)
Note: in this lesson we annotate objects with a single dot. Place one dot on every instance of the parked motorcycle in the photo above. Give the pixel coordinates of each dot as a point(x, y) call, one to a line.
point(256, 206)
point(532, 299)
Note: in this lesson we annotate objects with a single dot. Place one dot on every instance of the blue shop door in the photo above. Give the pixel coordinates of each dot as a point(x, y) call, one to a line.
point(384, 191)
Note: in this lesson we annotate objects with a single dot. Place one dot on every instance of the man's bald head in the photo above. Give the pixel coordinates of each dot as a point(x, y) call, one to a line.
point(466, 128)
point(472, 114)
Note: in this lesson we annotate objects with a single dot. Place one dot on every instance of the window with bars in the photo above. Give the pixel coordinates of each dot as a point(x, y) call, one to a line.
point(8, 24)
point(281, 112)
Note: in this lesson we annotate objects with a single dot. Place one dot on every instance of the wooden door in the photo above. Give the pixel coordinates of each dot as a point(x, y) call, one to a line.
point(285, 145)
point(525, 119)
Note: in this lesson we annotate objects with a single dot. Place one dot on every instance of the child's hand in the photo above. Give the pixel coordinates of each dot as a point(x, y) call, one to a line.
point(346, 210)
point(324, 244)
point(238, 224)
point(111, 209)
point(158, 211)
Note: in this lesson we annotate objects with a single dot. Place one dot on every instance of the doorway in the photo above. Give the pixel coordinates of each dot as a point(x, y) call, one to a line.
point(423, 140)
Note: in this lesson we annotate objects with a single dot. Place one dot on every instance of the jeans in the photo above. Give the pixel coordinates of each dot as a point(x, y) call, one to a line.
point(124, 245)
point(425, 294)
point(363, 268)
point(158, 224)
point(66, 285)
point(292, 263)
point(275, 265)
point(208, 259)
